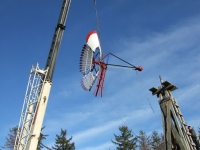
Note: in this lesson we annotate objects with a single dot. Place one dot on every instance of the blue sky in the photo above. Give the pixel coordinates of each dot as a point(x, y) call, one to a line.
point(162, 36)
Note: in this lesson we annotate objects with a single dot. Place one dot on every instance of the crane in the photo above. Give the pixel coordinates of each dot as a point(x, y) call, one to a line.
point(38, 90)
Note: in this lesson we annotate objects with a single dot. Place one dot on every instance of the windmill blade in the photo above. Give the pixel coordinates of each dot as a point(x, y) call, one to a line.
point(86, 59)
point(90, 60)
point(86, 56)
point(88, 81)
point(85, 49)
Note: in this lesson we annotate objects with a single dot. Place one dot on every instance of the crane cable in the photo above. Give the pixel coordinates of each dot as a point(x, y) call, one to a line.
point(97, 23)
point(98, 30)
point(119, 115)
point(147, 98)
point(116, 112)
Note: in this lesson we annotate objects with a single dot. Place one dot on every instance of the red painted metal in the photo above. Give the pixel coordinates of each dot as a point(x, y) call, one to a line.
point(35, 115)
point(90, 33)
point(139, 68)
point(101, 78)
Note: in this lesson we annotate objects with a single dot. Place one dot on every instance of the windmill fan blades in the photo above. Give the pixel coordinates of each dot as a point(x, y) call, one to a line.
point(86, 59)
point(87, 81)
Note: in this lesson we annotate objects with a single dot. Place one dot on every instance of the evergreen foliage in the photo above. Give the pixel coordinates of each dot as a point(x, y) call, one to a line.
point(62, 143)
point(10, 139)
point(125, 141)
point(199, 137)
point(144, 141)
point(157, 141)
point(199, 131)
point(40, 141)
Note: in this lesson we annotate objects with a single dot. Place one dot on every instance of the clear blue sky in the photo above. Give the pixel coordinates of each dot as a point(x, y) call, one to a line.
point(162, 36)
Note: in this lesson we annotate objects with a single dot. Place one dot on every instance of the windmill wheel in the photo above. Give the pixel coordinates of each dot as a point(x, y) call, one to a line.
point(90, 60)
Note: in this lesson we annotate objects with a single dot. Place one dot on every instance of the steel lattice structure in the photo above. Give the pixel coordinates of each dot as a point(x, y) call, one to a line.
point(38, 90)
point(31, 100)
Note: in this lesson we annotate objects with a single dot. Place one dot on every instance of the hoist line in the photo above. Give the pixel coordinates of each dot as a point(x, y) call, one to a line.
point(119, 115)
point(97, 23)
point(147, 98)
point(116, 111)
point(98, 30)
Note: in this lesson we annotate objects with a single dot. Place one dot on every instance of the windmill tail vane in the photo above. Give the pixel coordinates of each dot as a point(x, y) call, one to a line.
point(92, 64)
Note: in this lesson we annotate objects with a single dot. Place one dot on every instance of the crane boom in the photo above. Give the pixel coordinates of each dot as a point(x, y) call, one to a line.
point(55, 45)
point(38, 90)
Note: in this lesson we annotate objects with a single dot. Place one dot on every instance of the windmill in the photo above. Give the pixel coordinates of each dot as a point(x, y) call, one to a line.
point(176, 134)
point(92, 64)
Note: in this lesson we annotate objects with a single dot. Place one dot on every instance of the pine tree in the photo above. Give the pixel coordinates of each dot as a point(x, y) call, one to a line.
point(199, 137)
point(144, 141)
point(162, 144)
point(10, 139)
point(157, 141)
point(40, 140)
point(199, 131)
point(62, 143)
point(125, 141)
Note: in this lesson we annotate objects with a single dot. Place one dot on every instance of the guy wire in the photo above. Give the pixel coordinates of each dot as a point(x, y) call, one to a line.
point(119, 116)
point(147, 97)
point(117, 112)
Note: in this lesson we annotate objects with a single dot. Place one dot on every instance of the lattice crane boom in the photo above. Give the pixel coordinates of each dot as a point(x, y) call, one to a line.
point(38, 90)
point(55, 45)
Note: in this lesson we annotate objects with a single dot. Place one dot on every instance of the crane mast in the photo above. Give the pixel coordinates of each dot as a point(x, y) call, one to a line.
point(38, 90)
